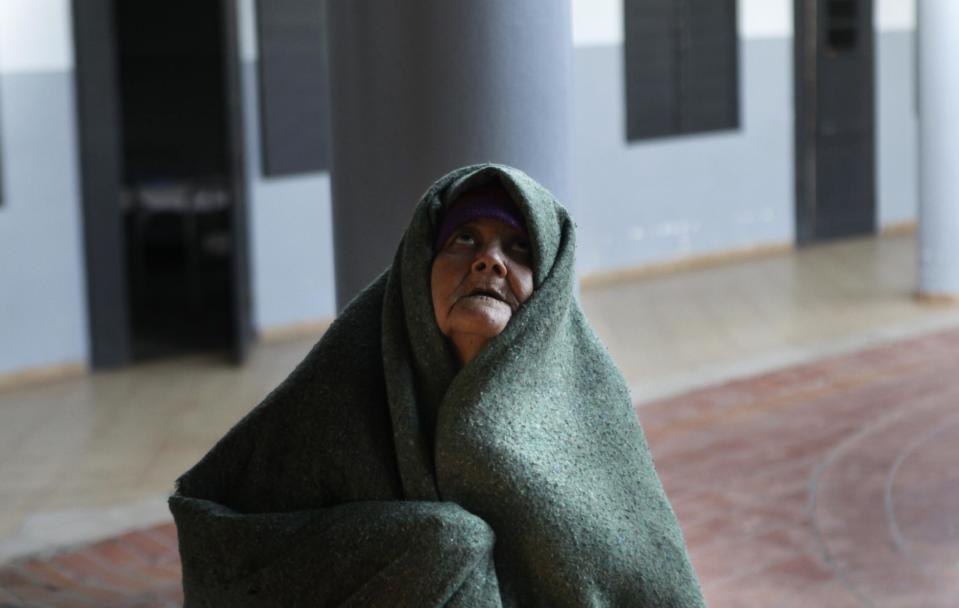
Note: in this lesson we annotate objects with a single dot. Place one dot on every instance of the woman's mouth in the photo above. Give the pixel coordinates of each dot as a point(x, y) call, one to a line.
point(486, 293)
point(486, 298)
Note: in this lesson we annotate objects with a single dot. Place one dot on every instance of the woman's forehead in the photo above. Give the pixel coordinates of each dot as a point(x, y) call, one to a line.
point(478, 204)
point(491, 225)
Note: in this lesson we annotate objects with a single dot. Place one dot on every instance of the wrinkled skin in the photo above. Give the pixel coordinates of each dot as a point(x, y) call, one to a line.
point(480, 277)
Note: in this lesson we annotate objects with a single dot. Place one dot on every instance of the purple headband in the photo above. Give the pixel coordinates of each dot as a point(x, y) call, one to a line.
point(489, 201)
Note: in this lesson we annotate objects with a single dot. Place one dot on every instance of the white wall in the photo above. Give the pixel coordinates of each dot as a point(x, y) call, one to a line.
point(600, 22)
point(765, 18)
point(42, 282)
point(895, 14)
point(43, 319)
point(597, 22)
point(655, 200)
point(43, 306)
point(291, 240)
point(35, 36)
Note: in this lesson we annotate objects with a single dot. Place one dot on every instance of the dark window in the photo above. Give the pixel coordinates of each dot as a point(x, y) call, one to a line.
point(843, 24)
point(682, 67)
point(294, 113)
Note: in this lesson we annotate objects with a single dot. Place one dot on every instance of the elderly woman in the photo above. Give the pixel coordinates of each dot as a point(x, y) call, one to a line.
point(459, 437)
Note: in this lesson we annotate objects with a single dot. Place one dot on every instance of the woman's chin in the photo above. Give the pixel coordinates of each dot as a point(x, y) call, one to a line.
point(481, 316)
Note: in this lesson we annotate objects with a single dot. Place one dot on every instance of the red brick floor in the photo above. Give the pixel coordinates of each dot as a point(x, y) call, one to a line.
point(138, 569)
point(832, 484)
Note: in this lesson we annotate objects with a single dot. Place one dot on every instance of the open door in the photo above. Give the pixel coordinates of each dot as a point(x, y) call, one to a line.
point(835, 119)
point(163, 178)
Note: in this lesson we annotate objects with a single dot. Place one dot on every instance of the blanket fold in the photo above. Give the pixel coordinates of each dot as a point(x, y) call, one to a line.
point(382, 553)
point(380, 474)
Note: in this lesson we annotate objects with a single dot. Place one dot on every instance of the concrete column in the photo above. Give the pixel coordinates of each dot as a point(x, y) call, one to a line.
point(938, 32)
point(421, 87)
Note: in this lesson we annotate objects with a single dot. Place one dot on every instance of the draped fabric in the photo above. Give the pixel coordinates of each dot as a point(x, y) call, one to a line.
point(379, 473)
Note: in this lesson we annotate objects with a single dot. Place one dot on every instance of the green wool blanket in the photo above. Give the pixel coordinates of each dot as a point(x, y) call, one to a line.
point(379, 473)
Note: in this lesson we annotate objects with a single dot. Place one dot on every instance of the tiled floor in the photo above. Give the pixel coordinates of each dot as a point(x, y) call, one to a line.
point(829, 484)
point(677, 331)
point(95, 455)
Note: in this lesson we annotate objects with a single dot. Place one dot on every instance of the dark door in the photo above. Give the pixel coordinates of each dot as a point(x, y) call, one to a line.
point(163, 178)
point(835, 119)
point(99, 141)
point(240, 299)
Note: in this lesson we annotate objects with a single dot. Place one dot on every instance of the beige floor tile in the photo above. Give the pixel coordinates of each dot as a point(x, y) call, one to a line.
point(752, 311)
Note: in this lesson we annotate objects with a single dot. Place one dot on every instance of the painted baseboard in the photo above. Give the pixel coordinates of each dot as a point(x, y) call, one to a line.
point(697, 262)
point(46, 373)
point(938, 300)
point(294, 331)
point(710, 260)
point(73, 369)
point(899, 229)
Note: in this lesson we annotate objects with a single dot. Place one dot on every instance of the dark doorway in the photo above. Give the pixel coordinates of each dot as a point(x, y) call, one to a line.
point(173, 182)
point(835, 119)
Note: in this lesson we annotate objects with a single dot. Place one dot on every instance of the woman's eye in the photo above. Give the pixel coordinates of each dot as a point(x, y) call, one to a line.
point(521, 246)
point(464, 238)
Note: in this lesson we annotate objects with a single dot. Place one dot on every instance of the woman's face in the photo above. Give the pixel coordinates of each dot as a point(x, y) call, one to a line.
point(481, 275)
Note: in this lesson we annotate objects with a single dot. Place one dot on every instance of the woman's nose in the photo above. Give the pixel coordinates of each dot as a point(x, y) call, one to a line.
point(490, 259)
